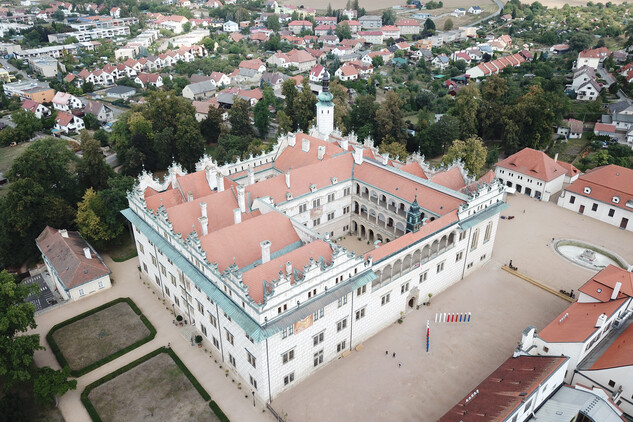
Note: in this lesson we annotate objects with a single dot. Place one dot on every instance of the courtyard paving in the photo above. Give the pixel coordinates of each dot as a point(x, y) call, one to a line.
point(369, 385)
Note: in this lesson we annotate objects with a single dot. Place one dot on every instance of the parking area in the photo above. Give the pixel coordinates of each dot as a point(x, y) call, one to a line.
point(45, 298)
point(370, 385)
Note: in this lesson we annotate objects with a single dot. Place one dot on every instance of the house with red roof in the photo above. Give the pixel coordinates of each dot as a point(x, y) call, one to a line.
point(65, 102)
point(347, 72)
point(316, 73)
point(325, 29)
point(354, 25)
point(75, 267)
point(66, 122)
point(253, 64)
point(390, 31)
point(604, 193)
point(296, 27)
point(532, 173)
point(592, 57)
point(408, 26)
point(39, 109)
point(147, 79)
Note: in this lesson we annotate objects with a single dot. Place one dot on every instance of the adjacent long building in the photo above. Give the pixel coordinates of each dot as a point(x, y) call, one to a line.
point(293, 258)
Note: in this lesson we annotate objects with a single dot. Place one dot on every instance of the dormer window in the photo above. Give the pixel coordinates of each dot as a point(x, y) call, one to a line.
point(288, 196)
point(616, 199)
point(587, 190)
point(312, 188)
point(334, 180)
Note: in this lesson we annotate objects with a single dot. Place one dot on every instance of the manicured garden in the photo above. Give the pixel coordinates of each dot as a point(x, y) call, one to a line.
point(96, 337)
point(156, 387)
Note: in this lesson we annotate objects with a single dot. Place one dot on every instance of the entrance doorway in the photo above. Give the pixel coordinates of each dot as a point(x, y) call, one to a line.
point(581, 210)
point(411, 302)
point(624, 223)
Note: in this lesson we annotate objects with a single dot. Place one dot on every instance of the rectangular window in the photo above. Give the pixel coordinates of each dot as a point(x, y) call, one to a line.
point(572, 199)
point(288, 356)
point(342, 301)
point(459, 256)
point(287, 332)
point(345, 210)
point(611, 383)
point(216, 343)
point(167, 291)
point(475, 240)
point(462, 236)
point(424, 276)
point(213, 321)
point(303, 208)
point(289, 378)
point(330, 197)
point(316, 203)
point(81, 292)
point(172, 279)
point(340, 347)
point(361, 290)
point(330, 216)
point(154, 262)
point(204, 329)
point(611, 212)
point(200, 308)
point(318, 358)
point(163, 270)
point(232, 360)
point(347, 191)
point(440, 267)
point(253, 382)
point(227, 316)
point(488, 232)
point(145, 267)
point(251, 359)
point(318, 314)
point(385, 299)
point(316, 222)
point(100, 284)
point(140, 248)
point(594, 207)
point(249, 338)
point(404, 288)
point(318, 338)
point(360, 314)
point(229, 336)
point(341, 325)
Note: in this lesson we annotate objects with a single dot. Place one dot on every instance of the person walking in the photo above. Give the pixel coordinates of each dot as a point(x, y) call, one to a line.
point(394, 354)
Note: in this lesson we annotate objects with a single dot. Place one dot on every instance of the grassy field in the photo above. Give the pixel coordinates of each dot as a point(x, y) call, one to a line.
point(126, 250)
point(7, 157)
point(155, 390)
point(99, 335)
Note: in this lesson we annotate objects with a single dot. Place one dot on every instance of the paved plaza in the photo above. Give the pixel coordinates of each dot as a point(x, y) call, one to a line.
point(369, 385)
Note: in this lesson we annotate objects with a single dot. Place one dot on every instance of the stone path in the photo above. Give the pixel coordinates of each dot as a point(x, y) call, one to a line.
point(126, 283)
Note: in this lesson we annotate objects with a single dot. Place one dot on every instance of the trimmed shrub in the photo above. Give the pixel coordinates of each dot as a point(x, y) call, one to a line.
point(218, 412)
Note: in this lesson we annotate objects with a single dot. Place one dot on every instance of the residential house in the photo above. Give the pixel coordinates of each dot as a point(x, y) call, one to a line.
point(441, 62)
point(588, 91)
point(66, 122)
point(147, 79)
point(604, 129)
point(582, 75)
point(390, 31)
point(102, 112)
point(65, 102)
point(221, 80)
point(296, 27)
point(199, 90)
point(370, 22)
point(403, 46)
point(354, 26)
point(230, 26)
point(532, 173)
point(75, 267)
point(274, 79)
point(495, 66)
point(120, 91)
point(461, 55)
point(321, 30)
point(408, 26)
point(349, 13)
point(300, 59)
point(458, 12)
point(316, 73)
point(575, 129)
point(115, 12)
point(40, 110)
point(254, 64)
point(346, 72)
point(371, 37)
point(474, 10)
point(592, 57)
point(326, 40)
point(325, 20)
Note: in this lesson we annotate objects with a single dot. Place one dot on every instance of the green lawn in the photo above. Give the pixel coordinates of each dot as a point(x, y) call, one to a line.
point(9, 154)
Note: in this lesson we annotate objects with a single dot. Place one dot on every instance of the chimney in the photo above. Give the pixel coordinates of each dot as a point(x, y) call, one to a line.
point(556, 158)
point(288, 179)
point(385, 159)
point(204, 224)
point(265, 251)
point(292, 140)
point(288, 268)
point(240, 198)
point(358, 155)
point(321, 152)
point(203, 209)
point(220, 181)
point(237, 216)
point(189, 196)
point(616, 291)
point(251, 176)
point(602, 319)
point(327, 236)
point(63, 232)
point(87, 253)
point(305, 145)
point(344, 144)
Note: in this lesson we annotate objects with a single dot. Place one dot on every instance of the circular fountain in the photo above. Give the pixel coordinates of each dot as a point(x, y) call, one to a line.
point(587, 255)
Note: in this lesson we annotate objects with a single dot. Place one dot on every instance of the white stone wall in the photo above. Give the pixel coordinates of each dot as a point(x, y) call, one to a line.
point(601, 213)
point(621, 377)
point(545, 188)
point(91, 287)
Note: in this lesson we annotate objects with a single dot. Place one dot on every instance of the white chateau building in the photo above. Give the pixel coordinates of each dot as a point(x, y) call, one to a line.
point(252, 254)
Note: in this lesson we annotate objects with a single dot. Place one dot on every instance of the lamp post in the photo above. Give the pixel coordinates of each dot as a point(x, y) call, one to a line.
point(253, 399)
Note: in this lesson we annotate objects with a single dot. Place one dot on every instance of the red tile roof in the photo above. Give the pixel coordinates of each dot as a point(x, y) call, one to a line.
point(579, 323)
point(606, 183)
point(619, 354)
point(269, 271)
point(66, 255)
point(505, 389)
point(295, 157)
point(594, 53)
point(533, 163)
point(451, 178)
point(600, 286)
point(414, 169)
point(604, 127)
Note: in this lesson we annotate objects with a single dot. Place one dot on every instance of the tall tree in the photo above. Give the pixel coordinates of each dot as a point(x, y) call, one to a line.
point(396, 150)
point(343, 32)
point(429, 25)
point(467, 104)
point(306, 106)
point(358, 120)
point(494, 94)
point(189, 145)
point(284, 122)
point(448, 24)
point(240, 119)
point(390, 120)
point(290, 93)
point(261, 115)
point(341, 109)
point(212, 126)
point(93, 170)
point(471, 152)
point(17, 348)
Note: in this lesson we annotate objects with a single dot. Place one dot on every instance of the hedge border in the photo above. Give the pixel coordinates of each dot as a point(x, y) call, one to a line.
point(91, 367)
point(203, 393)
